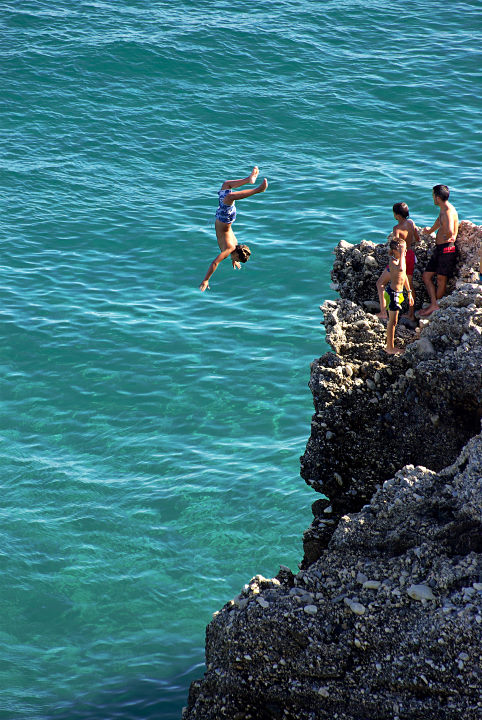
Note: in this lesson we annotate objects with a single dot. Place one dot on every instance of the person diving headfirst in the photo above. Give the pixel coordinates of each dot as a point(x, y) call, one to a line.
point(225, 216)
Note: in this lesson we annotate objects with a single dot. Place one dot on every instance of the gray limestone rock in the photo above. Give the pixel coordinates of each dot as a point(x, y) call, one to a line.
point(372, 646)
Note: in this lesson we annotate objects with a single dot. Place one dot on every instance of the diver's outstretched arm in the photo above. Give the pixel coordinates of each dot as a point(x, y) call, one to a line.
point(205, 283)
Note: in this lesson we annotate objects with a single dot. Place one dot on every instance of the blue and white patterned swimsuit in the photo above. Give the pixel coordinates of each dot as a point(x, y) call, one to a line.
point(225, 213)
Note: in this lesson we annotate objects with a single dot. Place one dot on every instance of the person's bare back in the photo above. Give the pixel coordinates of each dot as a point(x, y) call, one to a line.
point(449, 224)
point(443, 260)
point(406, 230)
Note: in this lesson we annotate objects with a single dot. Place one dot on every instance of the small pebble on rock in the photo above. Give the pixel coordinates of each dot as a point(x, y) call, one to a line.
point(355, 607)
point(371, 584)
point(420, 592)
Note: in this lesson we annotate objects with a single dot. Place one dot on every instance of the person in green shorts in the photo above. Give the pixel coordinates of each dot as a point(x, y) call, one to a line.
point(394, 291)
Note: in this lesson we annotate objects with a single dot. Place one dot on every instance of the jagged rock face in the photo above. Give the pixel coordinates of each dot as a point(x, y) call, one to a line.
point(375, 413)
point(384, 620)
point(386, 624)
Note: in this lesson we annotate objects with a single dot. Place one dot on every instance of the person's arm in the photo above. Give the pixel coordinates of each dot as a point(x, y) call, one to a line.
point(205, 283)
point(416, 236)
point(451, 225)
point(407, 287)
point(434, 227)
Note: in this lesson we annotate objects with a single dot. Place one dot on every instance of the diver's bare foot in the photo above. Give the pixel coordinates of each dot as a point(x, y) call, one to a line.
point(253, 175)
point(204, 286)
point(429, 310)
point(394, 351)
point(263, 186)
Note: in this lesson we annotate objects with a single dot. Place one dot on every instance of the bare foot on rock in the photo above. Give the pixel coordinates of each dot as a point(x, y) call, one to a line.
point(428, 310)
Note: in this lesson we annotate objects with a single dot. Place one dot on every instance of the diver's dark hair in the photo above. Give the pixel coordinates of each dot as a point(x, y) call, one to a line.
point(243, 252)
point(395, 243)
point(401, 209)
point(441, 191)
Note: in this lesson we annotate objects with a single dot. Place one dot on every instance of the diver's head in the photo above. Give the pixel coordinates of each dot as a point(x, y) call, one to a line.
point(241, 253)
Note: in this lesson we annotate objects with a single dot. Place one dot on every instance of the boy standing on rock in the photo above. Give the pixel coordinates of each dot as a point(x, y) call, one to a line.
point(394, 291)
point(405, 229)
point(442, 263)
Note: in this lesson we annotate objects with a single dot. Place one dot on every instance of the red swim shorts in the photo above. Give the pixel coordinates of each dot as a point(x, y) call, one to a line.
point(410, 261)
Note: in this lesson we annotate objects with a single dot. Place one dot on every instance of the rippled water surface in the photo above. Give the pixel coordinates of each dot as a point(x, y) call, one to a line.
point(150, 433)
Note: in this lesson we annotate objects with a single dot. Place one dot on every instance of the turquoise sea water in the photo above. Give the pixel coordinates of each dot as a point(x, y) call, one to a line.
point(151, 434)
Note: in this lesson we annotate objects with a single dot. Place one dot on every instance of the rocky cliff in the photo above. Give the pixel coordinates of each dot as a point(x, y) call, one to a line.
point(384, 618)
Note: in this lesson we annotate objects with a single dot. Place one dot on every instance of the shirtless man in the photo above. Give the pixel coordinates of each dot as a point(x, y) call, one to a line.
point(405, 229)
point(394, 291)
point(443, 260)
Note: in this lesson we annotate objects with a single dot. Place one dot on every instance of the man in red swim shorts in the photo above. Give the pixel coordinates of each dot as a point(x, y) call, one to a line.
point(443, 261)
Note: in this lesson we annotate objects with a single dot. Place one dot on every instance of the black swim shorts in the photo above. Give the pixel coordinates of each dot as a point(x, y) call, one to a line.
point(393, 299)
point(443, 260)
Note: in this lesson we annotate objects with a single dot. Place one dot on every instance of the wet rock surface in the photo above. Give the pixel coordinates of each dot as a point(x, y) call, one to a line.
point(384, 619)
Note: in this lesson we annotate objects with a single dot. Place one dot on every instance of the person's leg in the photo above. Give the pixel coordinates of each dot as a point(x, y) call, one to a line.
point(411, 308)
point(441, 286)
point(241, 194)
point(392, 321)
point(251, 179)
point(381, 282)
point(428, 282)
point(427, 278)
